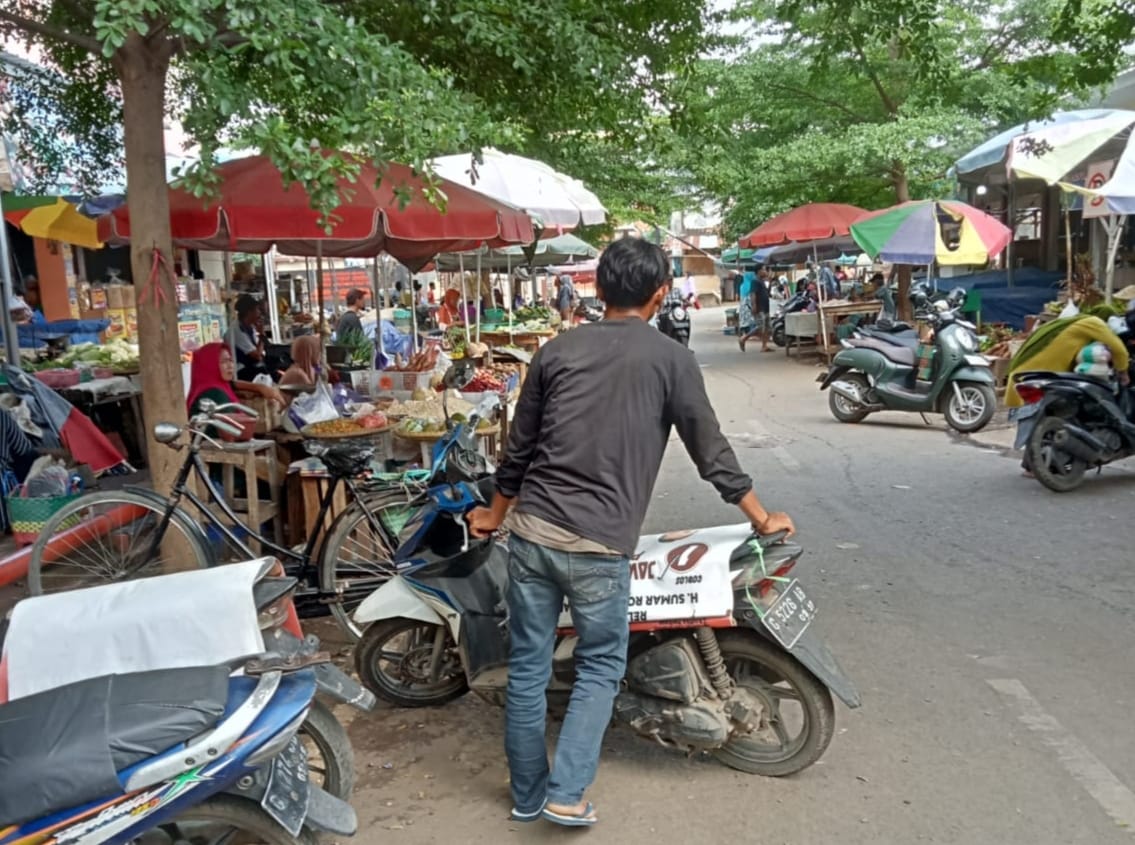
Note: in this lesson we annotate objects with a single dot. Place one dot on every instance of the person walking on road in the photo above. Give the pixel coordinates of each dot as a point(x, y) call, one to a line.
point(580, 494)
point(760, 304)
point(565, 293)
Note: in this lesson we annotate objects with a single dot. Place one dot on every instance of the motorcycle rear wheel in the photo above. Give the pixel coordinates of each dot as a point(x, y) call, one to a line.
point(842, 408)
point(779, 337)
point(399, 676)
point(776, 677)
point(1056, 470)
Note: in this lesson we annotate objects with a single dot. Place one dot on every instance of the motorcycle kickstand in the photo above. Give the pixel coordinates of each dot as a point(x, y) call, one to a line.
point(925, 418)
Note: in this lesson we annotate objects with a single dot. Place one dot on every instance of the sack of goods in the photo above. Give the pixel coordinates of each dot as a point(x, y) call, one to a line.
point(1094, 360)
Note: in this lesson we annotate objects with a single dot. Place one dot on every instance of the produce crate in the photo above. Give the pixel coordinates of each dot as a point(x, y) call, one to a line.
point(401, 380)
point(1000, 368)
point(28, 516)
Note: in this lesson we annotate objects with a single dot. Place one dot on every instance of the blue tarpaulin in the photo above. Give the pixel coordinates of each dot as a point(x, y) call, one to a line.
point(1032, 289)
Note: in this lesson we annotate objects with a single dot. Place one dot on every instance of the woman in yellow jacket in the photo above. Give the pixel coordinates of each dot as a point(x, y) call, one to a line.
point(1053, 348)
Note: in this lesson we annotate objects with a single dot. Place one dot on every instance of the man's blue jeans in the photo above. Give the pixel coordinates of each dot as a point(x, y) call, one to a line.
point(597, 587)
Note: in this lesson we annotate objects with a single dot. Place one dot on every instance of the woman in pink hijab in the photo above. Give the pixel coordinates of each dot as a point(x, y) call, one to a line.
point(306, 354)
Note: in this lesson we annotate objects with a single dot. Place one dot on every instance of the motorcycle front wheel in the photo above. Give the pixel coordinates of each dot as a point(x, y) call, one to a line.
point(970, 407)
point(410, 663)
point(799, 717)
point(1054, 468)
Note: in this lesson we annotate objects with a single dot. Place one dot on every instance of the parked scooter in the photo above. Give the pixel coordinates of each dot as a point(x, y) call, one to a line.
point(674, 317)
point(193, 750)
point(126, 627)
point(870, 375)
point(796, 302)
point(1083, 423)
point(722, 656)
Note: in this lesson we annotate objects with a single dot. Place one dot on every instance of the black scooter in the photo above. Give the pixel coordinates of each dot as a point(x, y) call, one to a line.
point(797, 302)
point(1083, 422)
point(674, 319)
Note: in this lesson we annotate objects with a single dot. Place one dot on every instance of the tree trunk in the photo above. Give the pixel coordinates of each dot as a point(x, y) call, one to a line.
point(902, 194)
point(142, 69)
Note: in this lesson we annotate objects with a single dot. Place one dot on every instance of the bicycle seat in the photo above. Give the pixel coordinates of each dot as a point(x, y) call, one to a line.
point(347, 461)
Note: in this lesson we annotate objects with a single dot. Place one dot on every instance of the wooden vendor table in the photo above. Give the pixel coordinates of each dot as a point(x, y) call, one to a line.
point(528, 341)
point(830, 315)
point(426, 440)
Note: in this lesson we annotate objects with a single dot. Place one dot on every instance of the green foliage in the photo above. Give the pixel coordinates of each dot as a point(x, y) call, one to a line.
point(864, 102)
point(402, 80)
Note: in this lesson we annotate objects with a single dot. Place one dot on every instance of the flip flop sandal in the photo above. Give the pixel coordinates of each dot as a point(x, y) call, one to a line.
point(584, 819)
point(516, 816)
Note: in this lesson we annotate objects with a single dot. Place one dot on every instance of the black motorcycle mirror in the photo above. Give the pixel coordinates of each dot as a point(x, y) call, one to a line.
point(459, 374)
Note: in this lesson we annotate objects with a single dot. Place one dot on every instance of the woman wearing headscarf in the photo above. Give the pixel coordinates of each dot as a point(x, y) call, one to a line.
point(449, 313)
point(213, 378)
point(306, 354)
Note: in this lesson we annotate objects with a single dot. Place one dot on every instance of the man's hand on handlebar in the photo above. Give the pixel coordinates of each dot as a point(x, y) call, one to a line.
point(775, 522)
point(482, 522)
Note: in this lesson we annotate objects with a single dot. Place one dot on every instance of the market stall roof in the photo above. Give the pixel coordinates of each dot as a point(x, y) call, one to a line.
point(53, 218)
point(558, 199)
point(987, 162)
point(810, 222)
point(562, 249)
point(254, 210)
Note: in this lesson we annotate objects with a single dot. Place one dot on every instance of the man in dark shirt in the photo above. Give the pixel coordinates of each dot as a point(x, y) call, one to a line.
point(584, 451)
point(350, 323)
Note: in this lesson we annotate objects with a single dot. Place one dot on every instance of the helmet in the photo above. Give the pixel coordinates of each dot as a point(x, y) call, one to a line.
point(956, 297)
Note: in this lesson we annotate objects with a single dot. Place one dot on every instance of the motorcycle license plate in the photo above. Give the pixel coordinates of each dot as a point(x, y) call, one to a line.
point(790, 615)
point(286, 797)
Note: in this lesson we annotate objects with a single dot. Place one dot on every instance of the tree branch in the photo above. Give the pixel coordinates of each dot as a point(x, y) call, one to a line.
point(804, 92)
point(86, 42)
point(888, 103)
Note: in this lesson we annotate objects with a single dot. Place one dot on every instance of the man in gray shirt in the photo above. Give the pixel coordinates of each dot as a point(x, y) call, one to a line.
point(584, 451)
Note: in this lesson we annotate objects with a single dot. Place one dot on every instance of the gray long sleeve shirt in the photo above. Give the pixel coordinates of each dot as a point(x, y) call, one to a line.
point(592, 424)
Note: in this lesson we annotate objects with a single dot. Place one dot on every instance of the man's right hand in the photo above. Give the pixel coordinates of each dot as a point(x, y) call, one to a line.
point(775, 522)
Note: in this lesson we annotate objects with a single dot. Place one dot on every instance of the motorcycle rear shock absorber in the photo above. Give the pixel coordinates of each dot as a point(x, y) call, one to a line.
point(714, 662)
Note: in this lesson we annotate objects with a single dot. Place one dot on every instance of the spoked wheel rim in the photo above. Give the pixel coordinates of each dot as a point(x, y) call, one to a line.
point(107, 540)
point(970, 407)
point(362, 559)
point(845, 405)
point(401, 662)
point(784, 726)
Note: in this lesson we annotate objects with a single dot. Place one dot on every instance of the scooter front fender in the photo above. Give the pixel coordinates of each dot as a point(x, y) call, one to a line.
point(395, 599)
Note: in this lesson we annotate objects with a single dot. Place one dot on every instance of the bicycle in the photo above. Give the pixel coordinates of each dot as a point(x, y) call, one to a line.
point(105, 537)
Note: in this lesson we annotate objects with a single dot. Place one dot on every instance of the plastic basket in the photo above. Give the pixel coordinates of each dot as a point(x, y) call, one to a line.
point(58, 379)
point(28, 516)
point(493, 315)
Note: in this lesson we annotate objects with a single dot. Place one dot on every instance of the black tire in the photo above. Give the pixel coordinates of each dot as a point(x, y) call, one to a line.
point(1056, 470)
point(396, 687)
point(109, 557)
point(979, 403)
point(765, 668)
point(842, 408)
point(205, 824)
point(330, 757)
point(779, 337)
point(357, 558)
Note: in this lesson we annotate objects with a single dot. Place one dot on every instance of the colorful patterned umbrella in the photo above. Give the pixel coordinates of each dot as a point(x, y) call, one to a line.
point(931, 232)
point(52, 218)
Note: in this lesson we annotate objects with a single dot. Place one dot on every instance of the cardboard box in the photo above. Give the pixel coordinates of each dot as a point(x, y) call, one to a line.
point(117, 327)
point(99, 300)
point(116, 297)
point(189, 334)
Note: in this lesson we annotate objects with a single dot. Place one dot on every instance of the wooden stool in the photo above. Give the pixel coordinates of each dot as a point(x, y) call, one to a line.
point(257, 458)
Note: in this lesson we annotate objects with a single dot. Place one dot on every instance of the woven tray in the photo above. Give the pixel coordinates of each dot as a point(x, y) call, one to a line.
point(343, 435)
point(429, 436)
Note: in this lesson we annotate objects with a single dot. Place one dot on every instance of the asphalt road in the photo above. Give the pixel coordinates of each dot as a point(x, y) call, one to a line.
point(986, 621)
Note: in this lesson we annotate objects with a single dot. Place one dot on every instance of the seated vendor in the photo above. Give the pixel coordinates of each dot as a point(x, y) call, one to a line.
point(307, 351)
point(213, 378)
point(450, 314)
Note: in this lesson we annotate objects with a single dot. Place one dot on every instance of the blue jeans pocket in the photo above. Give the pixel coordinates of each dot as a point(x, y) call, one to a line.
point(596, 578)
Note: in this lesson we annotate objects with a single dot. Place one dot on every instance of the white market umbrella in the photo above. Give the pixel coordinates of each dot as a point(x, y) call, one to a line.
point(559, 200)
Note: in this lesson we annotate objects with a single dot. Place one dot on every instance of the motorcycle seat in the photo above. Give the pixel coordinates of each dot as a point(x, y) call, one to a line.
point(65, 746)
point(903, 355)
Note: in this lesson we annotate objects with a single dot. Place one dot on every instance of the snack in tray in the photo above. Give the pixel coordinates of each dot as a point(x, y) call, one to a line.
point(339, 426)
point(372, 421)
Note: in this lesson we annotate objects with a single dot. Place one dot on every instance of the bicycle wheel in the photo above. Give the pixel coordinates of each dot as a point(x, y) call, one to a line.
point(106, 537)
point(358, 556)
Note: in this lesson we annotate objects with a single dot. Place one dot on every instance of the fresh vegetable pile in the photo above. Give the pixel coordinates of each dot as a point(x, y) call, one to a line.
point(116, 354)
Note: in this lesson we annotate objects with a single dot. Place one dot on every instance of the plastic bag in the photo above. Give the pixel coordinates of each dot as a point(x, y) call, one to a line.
point(1070, 310)
point(310, 408)
point(264, 380)
point(22, 414)
point(47, 477)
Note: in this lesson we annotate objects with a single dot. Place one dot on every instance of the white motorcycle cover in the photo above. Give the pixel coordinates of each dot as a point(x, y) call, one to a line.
point(199, 618)
point(682, 575)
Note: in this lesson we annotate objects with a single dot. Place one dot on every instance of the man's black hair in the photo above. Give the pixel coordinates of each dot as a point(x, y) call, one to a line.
point(417, 285)
point(245, 303)
point(354, 296)
point(631, 271)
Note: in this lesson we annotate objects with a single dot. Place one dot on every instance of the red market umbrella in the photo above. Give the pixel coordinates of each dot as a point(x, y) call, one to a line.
point(807, 223)
point(254, 210)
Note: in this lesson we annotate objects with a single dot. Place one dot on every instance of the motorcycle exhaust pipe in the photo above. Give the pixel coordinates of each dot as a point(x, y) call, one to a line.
point(1079, 443)
point(851, 392)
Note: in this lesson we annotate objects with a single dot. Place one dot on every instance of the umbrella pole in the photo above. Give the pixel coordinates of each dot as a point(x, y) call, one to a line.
point(11, 339)
point(272, 293)
point(381, 356)
point(511, 292)
point(480, 295)
point(319, 285)
point(464, 312)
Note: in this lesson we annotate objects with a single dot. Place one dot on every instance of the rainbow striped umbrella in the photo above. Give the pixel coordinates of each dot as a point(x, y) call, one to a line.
point(53, 218)
point(931, 232)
